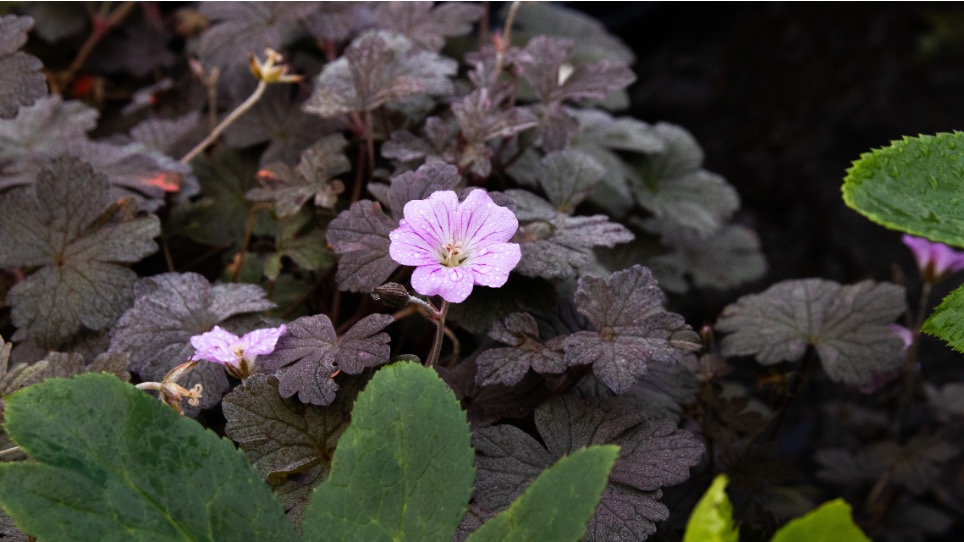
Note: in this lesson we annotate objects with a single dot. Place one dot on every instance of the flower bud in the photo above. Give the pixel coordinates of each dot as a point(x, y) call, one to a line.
point(391, 294)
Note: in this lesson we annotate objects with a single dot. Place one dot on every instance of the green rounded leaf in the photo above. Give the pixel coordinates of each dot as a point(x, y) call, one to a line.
point(915, 185)
point(558, 504)
point(712, 519)
point(830, 522)
point(113, 463)
point(403, 468)
point(946, 320)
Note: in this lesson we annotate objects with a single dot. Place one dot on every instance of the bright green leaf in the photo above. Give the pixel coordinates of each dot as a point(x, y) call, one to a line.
point(559, 502)
point(830, 522)
point(712, 519)
point(945, 321)
point(915, 185)
point(113, 463)
point(403, 468)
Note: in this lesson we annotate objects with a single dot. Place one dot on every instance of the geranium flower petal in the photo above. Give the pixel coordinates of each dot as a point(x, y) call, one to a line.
point(481, 221)
point(215, 345)
point(262, 341)
point(411, 248)
point(491, 265)
point(454, 284)
point(432, 219)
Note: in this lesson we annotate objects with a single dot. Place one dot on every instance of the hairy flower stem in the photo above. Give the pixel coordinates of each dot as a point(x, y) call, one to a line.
point(806, 367)
point(228, 121)
point(370, 143)
point(506, 36)
point(246, 242)
point(102, 24)
point(439, 335)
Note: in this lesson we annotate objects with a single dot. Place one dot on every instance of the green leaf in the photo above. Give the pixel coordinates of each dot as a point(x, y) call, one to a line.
point(914, 185)
point(831, 522)
point(559, 502)
point(712, 519)
point(221, 216)
point(149, 474)
point(945, 321)
point(403, 468)
point(301, 240)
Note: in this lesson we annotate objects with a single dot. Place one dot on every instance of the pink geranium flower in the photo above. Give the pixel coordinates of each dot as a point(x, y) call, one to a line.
point(454, 246)
point(935, 260)
point(237, 354)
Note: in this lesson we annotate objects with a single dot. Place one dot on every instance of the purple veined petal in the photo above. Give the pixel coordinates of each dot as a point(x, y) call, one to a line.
point(945, 259)
point(920, 247)
point(409, 248)
point(216, 345)
point(432, 219)
point(262, 341)
point(454, 284)
point(935, 260)
point(491, 265)
point(481, 221)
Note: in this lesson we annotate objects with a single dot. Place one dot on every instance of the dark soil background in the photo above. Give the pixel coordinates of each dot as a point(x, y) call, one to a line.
point(783, 97)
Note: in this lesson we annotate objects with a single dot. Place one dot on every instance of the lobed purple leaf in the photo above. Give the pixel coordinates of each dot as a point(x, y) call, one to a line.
point(21, 76)
point(310, 354)
point(66, 224)
point(360, 238)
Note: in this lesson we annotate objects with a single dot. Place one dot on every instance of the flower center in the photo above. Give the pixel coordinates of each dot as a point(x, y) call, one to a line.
point(452, 255)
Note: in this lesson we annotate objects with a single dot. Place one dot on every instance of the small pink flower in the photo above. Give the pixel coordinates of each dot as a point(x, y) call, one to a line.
point(935, 260)
point(455, 246)
point(237, 354)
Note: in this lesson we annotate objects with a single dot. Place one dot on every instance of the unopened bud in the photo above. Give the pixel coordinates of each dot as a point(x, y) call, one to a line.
point(392, 294)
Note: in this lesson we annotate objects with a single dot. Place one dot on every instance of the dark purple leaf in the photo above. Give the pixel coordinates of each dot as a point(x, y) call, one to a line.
point(300, 240)
point(556, 126)
point(40, 132)
point(481, 118)
point(278, 120)
point(280, 436)
point(673, 186)
point(477, 313)
point(360, 238)
point(311, 354)
point(724, 259)
point(509, 365)
point(168, 311)
point(137, 172)
point(138, 48)
point(173, 137)
point(653, 454)
point(564, 246)
point(489, 404)
point(544, 68)
point(847, 325)
point(568, 177)
point(313, 180)
point(425, 25)
point(407, 147)
point(338, 21)
point(420, 184)
point(220, 217)
point(632, 328)
point(66, 225)
point(608, 140)
point(592, 42)
point(21, 77)
point(240, 29)
point(376, 69)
